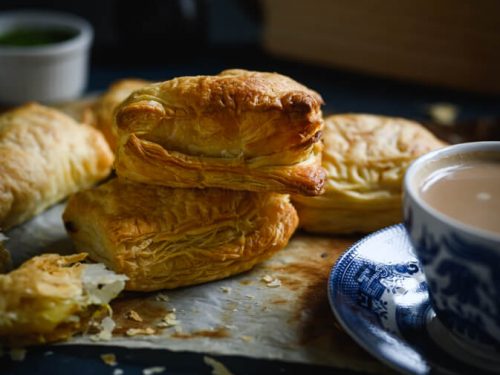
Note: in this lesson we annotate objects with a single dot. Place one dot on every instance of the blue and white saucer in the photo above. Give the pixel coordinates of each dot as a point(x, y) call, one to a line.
point(378, 293)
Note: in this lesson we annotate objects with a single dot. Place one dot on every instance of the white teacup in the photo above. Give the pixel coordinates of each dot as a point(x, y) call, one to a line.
point(460, 259)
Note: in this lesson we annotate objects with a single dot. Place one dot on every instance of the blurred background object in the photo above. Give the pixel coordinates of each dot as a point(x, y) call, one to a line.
point(44, 56)
point(449, 43)
point(388, 58)
point(128, 32)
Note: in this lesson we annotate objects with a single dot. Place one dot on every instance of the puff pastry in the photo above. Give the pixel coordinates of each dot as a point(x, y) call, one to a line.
point(240, 130)
point(167, 237)
point(45, 156)
point(365, 157)
point(51, 297)
point(103, 110)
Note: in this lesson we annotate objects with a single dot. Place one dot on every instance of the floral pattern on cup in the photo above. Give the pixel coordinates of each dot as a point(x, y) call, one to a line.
point(467, 303)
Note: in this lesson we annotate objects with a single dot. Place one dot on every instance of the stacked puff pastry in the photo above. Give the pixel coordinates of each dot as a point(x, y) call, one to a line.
point(204, 167)
point(365, 157)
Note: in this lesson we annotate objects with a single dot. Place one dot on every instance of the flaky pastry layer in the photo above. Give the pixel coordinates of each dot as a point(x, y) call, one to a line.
point(103, 110)
point(365, 157)
point(166, 237)
point(45, 156)
point(50, 298)
point(239, 129)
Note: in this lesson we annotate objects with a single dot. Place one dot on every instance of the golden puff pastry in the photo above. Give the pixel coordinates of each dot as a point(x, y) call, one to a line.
point(51, 297)
point(365, 157)
point(167, 237)
point(103, 110)
point(239, 130)
point(45, 156)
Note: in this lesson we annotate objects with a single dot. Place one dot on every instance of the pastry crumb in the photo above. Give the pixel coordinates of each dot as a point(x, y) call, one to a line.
point(226, 289)
point(218, 368)
point(133, 315)
point(267, 278)
point(250, 296)
point(169, 320)
point(271, 282)
point(246, 338)
point(162, 297)
point(276, 283)
point(18, 354)
point(140, 331)
point(109, 359)
point(153, 370)
point(106, 330)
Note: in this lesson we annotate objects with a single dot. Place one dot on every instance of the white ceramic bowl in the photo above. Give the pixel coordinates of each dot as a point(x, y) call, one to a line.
point(47, 73)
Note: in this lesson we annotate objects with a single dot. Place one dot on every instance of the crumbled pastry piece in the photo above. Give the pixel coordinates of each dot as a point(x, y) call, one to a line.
point(246, 338)
point(249, 296)
point(133, 315)
point(276, 283)
point(267, 278)
point(106, 328)
point(271, 282)
point(218, 368)
point(140, 331)
point(238, 130)
point(51, 297)
point(366, 157)
point(226, 289)
point(109, 359)
point(168, 237)
point(162, 297)
point(169, 320)
point(46, 156)
point(153, 370)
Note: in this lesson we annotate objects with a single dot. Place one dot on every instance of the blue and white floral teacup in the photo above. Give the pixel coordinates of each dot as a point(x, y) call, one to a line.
point(461, 263)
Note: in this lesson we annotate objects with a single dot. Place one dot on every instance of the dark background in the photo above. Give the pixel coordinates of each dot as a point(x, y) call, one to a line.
point(158, 40)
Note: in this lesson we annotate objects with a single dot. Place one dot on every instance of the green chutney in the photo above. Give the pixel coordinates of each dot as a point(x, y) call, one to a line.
point(30, 37)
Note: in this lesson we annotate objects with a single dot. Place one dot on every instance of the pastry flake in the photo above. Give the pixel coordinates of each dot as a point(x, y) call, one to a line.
point(51, 297)
point(239, 129)
point(365, 157)
point(45, 156)
point(166, 237)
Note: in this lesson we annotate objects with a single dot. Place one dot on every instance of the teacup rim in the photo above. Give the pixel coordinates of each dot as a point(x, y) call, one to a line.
point(417, 164)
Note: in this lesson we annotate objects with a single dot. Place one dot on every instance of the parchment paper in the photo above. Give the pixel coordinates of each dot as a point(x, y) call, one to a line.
point(279, 310)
